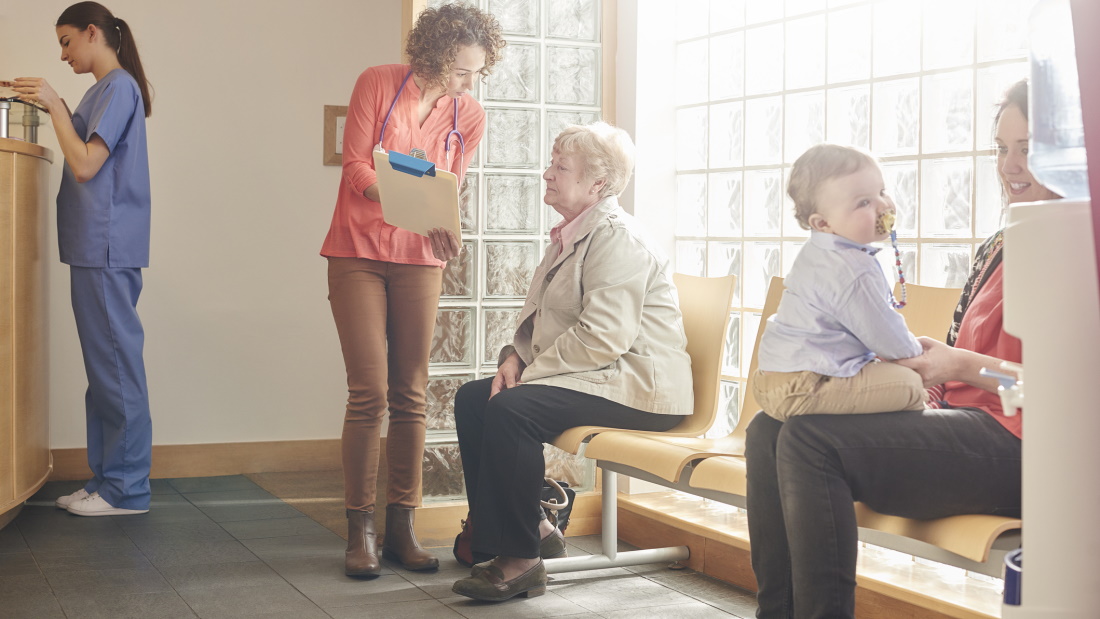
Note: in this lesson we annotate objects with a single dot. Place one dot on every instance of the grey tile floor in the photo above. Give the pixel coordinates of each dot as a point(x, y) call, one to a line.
point(224, 547)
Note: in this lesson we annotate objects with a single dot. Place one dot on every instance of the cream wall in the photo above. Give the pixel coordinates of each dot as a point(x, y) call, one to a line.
point(240, 344)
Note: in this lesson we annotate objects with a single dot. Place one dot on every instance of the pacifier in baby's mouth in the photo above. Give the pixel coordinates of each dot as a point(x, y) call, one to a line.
point(885, 222)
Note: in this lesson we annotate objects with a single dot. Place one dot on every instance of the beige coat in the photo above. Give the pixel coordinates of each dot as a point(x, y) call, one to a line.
point(602, 318)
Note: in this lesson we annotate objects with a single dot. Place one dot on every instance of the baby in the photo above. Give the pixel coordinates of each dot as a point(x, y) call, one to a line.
point(820, 352)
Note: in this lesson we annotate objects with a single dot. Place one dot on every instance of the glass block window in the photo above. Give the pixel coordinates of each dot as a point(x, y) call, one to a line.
point(759, 81)
point(549, 78)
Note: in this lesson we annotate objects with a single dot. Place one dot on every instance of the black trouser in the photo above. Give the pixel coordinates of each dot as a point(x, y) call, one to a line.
point(501, 442)
point(803, 476)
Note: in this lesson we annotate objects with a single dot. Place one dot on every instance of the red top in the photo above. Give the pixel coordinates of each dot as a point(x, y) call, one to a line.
point(357, 229)
point(982, 330)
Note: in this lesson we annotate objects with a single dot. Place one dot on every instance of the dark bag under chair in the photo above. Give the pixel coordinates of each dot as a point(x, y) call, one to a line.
point(557, 502)
point(556, 499)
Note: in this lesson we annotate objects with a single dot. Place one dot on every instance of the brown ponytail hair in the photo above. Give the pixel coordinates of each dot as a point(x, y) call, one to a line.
point(118, 36)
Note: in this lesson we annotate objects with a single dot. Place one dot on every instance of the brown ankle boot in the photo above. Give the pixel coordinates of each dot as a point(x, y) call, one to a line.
point(361, 557)
point(400, 543)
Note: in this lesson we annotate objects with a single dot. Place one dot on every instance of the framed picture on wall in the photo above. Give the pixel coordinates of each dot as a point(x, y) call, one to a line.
point(334, 133)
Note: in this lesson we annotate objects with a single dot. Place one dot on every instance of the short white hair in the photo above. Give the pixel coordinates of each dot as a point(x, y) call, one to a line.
point(605, 152)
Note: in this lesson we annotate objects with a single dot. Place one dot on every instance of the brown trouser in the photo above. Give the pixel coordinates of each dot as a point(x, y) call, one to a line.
point(385, 316)
point(880, 387)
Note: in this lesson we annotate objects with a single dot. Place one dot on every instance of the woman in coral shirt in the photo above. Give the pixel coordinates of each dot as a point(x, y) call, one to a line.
point(385, 282)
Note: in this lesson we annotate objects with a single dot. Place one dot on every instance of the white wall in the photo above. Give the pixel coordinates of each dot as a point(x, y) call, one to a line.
point(240, 344)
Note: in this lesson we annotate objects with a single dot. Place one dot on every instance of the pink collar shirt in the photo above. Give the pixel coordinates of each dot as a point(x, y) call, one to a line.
point(566, 232)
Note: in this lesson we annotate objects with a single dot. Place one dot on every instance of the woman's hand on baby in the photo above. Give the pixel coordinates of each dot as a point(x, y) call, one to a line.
point(507, 374)
point(37, 90)
point(444, 244)
point(936, 365)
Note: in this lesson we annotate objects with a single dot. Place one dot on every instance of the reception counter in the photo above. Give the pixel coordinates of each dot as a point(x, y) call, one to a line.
point(25, 460)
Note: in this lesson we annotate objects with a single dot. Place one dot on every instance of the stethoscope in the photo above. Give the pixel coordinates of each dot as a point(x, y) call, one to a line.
point(446, 140)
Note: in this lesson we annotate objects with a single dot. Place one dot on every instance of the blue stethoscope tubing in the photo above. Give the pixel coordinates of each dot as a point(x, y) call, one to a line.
point(446, 140)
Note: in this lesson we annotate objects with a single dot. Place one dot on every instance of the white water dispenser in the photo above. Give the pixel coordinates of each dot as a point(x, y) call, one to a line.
point(1052, 304)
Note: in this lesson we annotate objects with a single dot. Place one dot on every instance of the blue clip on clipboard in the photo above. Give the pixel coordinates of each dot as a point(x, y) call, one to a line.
point(411, 165)
point(415, 195)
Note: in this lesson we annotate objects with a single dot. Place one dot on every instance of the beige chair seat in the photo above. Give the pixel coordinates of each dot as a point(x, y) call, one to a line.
point(663, 456)
point(971, 536)
point(705, 304)
point(722, 474)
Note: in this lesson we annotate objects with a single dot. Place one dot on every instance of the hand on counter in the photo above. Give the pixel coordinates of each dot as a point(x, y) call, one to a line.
point(38, 90)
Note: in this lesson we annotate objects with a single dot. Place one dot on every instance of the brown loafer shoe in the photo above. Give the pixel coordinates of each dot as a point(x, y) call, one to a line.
point(551, 547)
point(489, 585)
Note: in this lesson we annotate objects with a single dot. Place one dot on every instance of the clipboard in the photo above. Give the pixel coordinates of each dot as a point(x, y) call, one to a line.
point(415, 195)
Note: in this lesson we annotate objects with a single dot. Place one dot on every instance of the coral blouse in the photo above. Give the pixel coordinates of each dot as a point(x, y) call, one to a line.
point(982, 330)
point(357, 229)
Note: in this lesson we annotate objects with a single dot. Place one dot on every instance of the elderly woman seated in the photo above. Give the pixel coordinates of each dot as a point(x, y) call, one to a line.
point(600, 341)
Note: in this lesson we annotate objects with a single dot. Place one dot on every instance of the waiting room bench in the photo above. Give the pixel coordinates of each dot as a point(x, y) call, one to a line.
point(715, 469)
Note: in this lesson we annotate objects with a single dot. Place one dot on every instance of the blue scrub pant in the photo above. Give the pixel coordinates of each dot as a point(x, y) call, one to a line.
point(120, 432)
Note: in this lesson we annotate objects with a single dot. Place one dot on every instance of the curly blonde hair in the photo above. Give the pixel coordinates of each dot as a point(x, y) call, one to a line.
point(439, 33)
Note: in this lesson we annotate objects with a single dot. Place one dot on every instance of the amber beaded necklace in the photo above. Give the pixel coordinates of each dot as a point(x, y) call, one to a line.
point(901, 275)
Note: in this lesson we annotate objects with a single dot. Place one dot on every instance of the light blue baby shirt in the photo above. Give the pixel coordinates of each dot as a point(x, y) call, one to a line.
point(835, 315)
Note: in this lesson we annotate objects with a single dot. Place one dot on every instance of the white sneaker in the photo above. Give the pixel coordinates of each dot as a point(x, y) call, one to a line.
point(95, 505)
point(65, 501)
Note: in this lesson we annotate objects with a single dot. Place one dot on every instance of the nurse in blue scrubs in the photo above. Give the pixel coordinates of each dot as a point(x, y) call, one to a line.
point(103, 234)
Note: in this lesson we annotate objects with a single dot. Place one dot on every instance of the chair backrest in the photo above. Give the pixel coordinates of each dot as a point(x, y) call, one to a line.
point(749, 407)
point(928, 311)
point(705, 304)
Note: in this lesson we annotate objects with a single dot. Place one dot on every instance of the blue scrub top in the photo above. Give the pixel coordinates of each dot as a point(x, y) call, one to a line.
point(105, 221)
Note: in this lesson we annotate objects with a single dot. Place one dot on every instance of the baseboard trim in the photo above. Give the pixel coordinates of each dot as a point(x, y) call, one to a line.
point(212, 459)
point(437, 523)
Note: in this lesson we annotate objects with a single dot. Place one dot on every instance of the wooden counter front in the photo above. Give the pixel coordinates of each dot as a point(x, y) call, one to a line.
point(25, 461)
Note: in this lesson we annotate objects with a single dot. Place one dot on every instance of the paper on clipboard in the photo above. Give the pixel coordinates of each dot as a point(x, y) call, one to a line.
point(417, 203)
